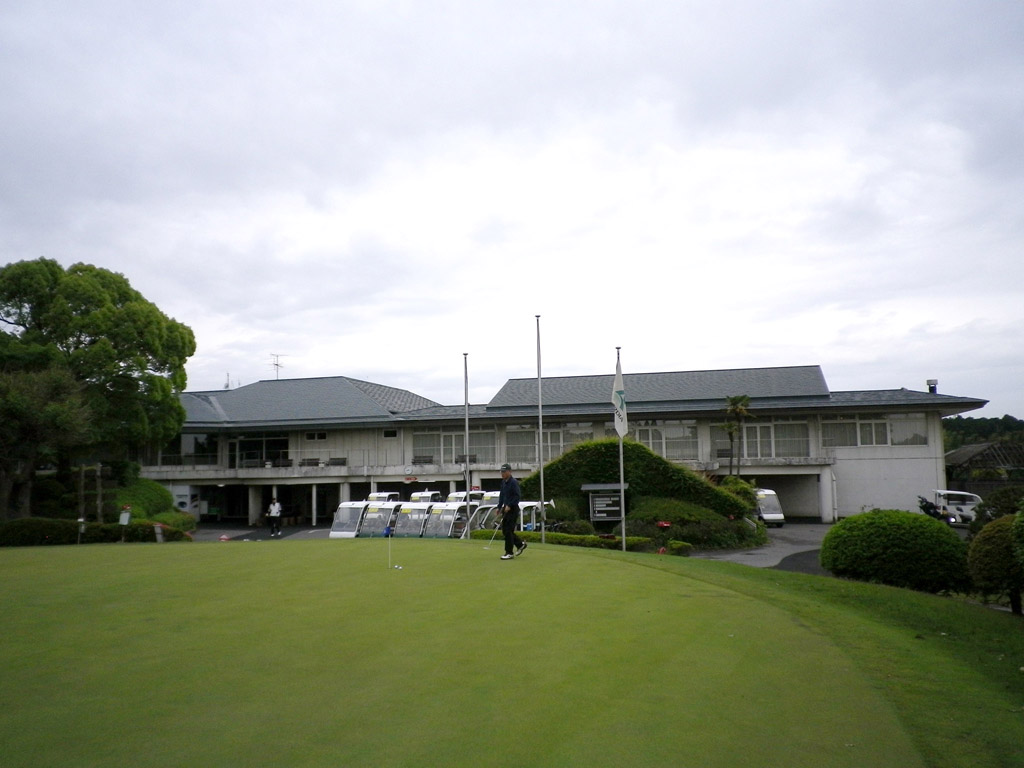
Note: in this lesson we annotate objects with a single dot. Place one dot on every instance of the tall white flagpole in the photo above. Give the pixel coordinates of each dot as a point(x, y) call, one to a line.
point(540, 443)
point(621, 427)
point(465, 458)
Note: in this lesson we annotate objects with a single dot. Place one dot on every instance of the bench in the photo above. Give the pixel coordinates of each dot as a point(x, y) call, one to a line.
point(424, 459)
point(337, 461)
point(309, 462)
point(282, 462)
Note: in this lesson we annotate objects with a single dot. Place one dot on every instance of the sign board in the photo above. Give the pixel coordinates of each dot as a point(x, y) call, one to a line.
point(605, 506)
point(605, 500)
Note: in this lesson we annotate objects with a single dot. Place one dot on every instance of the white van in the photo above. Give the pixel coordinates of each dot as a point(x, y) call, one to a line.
point(769, 511)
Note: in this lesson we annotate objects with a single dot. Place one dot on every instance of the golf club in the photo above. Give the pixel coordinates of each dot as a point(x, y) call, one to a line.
point(496, 526)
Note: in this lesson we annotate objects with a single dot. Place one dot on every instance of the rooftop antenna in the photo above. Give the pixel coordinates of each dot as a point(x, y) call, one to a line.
point(277, 364)
point(227, 381)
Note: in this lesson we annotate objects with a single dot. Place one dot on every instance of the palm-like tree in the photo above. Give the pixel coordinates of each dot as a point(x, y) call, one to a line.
point(737, 408)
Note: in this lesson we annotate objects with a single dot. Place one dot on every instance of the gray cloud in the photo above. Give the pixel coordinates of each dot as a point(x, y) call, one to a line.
point(373, 189)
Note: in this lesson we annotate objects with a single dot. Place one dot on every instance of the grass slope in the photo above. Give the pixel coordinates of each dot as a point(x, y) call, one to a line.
point(315, 653)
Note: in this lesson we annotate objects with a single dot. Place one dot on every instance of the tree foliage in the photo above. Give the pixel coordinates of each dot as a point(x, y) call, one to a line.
point(993, 564)
point(85, 362)
point(41, 414)
point(737, 409)
point(128, 356)
point(969, 430)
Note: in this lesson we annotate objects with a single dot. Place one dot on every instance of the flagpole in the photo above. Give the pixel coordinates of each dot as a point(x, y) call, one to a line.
point(540, 443)
point(465, 458)
point(622, 474)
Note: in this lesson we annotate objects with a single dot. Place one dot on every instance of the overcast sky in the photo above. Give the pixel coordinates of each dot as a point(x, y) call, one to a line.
point(372, 189)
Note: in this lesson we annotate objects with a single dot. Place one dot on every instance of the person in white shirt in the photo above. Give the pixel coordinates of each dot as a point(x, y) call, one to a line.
point(274, 513)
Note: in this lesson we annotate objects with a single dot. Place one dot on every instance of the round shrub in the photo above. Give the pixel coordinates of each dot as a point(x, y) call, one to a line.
point(898, 548)
point(577, 527)
point(146, 498)
point(993, 564)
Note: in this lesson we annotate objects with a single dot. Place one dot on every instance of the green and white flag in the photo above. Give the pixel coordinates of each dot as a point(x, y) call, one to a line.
point(619, 400)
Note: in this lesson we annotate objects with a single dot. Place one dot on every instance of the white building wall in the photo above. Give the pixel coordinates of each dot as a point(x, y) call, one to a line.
point(885, 478)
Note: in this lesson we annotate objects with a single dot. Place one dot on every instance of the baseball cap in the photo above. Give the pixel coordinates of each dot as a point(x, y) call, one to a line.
point(506, 467)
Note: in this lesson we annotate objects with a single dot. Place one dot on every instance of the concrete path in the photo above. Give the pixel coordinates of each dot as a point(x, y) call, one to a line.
point(793, 547)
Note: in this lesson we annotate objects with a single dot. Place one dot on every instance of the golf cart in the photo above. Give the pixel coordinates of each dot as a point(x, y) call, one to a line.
point(379, 516)
point(347, 519)
point(958, 506)
point(769, 511)
point(447, 520)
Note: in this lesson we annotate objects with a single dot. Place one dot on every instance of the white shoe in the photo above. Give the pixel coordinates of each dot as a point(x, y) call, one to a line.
point(507, 557)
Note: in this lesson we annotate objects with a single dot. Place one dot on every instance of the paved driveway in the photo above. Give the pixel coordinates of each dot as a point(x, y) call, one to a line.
point(793, 547)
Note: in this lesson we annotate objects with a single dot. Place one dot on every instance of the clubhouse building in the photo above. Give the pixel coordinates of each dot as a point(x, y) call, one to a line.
point(315, 442)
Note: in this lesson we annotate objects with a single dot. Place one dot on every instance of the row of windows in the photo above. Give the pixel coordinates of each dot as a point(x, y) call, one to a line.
point(675, 440)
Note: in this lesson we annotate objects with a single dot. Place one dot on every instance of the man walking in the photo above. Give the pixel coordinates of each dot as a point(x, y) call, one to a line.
point(274, 513)
point(508, 504)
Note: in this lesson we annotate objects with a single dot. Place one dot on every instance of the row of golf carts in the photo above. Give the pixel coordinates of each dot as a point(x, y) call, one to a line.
point(425, 515)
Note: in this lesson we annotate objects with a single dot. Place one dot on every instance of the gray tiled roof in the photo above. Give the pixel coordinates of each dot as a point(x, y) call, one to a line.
point(660, 388)
point(299, 402)
point(340, 400)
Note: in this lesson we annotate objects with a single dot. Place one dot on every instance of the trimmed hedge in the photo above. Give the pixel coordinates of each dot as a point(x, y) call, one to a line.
point(633, 543)
point(42, 531)
point(993, 565)
point(898, 548)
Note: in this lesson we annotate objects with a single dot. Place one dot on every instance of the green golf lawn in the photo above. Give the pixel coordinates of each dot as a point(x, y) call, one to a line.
point(316, 653)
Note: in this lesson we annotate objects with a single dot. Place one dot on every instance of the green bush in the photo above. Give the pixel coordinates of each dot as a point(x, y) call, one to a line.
point(577, 528)
point(147, 498)
point(647, 474)
point(700, 527)
point(183, 521)
point(740, 488)
point(993, 565)
point(898, 548)
point(41, 531)
point(997, 504)
point(1018, 534)
point(633, 543)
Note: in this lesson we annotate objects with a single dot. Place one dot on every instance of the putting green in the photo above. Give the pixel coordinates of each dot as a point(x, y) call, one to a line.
point(316, 653)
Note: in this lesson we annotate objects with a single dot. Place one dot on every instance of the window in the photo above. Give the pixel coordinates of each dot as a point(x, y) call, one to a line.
point(452, 447)
point(874, 429)
point(874, 433)
point(311, 436)
point(792, 439)
point(680, 440)
point(521, 444)
point(782, 439)
point(426, 447)
point(757, 441)
point(673, 440)
point(574, 434)
point(839, 432)
point(390, 434)
point(908, 428)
